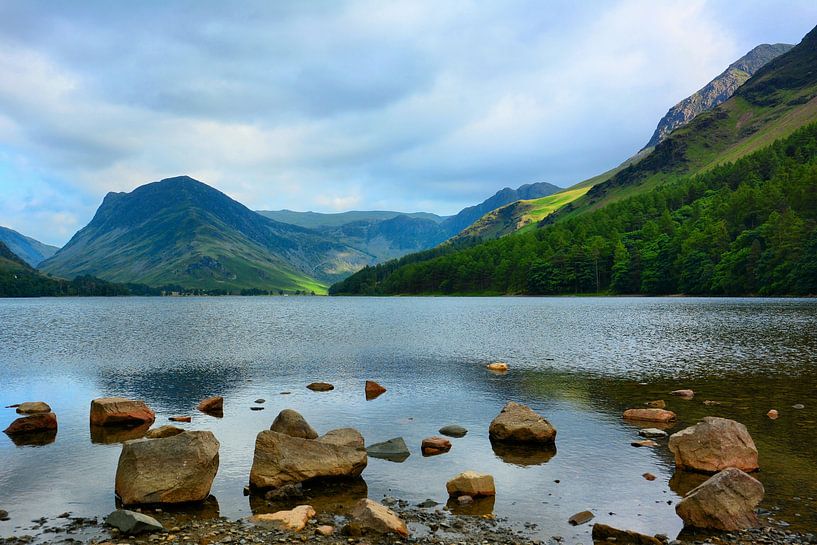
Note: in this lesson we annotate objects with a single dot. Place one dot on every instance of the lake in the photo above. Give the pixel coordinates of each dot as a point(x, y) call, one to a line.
point(577, 361)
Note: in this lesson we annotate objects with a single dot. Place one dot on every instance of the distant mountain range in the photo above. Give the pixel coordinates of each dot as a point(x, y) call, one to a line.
point(31, 251)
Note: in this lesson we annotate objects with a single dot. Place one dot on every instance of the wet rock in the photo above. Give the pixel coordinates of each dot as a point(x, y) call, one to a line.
point(394, 450)
point(260, 401)
point(498, 366)
point(649, 415)
point(281, 459)
point(798, 406)
point(369, 516)
point(33, 407)
point(373, 390)
point(180, 419)
point(290, 422)
point(471, 483)
point(649, 476)
point(657, 404)
point(175, 469)
point(118, 411)
point(644, 443)
point(453, 430)
point(132, 523)
point(773, 414)
point(580, 518)
point(320, 387)
point(714, 444)
point(427, 504)
point(652, 433)
point(163, 431)
point(286, 492)
point(33, 423)
point(518, 423)
point(686, 393)
point(294, 519)
point(213, 406)
point(325, 530)
point(726, 501)
point(4, 515)
point(432, 446)
point(603, 533)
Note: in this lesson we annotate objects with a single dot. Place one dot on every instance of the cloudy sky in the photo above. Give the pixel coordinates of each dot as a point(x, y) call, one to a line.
point(331, 106)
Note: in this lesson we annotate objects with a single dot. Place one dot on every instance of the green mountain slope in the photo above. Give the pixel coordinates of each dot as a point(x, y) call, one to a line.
point(30, 250)
point(183, 232)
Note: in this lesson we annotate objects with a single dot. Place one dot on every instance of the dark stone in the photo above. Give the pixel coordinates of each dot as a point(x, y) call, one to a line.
point(131, 522)
point(394, 450)
point(453, 430)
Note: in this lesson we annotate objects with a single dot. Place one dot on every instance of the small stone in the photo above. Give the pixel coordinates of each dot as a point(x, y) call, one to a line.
point(4, 515)
point(652, 433)
point(649, 415)
point(320, 387)
point(465, 500)
point(256, 408)
point(798, 406)
point(294, 519)
point(132, 523)
point(686, 394)
point(212, 405)
point(260, 401)
point(471, 483)
point(394, 450)
point(181, 419)
point(325, 530)
point(649, 476)
point(644, 443)
point(580, 518)
point(711, 402)
point(432, 446)
point(453, 430)
point(427, 504)
point(373, 390)
point(657, 404)
point(497, 366)
point(773, 414)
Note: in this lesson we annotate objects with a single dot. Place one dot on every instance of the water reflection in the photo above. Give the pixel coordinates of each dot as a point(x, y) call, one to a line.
point(326, 496)
point(523, 455)
point(109, 435)
point(33, 439)
point(476, 507)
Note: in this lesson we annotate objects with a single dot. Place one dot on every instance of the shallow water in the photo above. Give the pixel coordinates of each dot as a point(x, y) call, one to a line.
point(578, 361)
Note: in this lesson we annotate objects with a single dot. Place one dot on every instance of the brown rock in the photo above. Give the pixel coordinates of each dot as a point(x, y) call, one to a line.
point(163, 431)
point(435, 445)
point(181, 419)
point(649, 476)
point(580, 518)
point(518, 423)
point(373, 390)
point(603, 533)
point(294, 519)
point(281, 459)
point(118, 411)
point(212, 405)
point(773, 414)
point(644, 443)
point(710, 402)
point(498, 366)
point(370, 516)
point(33, 407)
point(177, 469)
point(471, 483)
point(657, 404)
point(650, 415)
point(325, 530)
point(726, 501)
point(291, 423)
point(33, 423)
point(320, 387)
point(687, 394)
point(714, 444)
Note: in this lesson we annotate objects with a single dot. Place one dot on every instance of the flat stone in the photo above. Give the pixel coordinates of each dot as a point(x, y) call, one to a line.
point(649, 415)
point(180, 419)
point(33, 407)
point(798, 406)
point(453, 430)
point(498, 366)
point(644, 443)
point(132, 523)
point(580, 518)
point(427, 504)
point(260, 401)
point(652, 433)
point(294, 519)
point(320, 387)
point(118, 411)
point(686, 393)
point(394, 450)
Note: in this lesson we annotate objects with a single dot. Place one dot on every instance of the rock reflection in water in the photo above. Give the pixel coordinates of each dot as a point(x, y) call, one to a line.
point(335, 496)
point(180, 514)
point(683, 481)
point(103, 435)
point(523, 455)
point(478, 507)
point(34, 439)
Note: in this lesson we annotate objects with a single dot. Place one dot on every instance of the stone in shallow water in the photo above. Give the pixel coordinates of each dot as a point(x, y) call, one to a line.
point(118, 411)
point(472, 484)
point(580, 518)
point(649, 415)
point(373, 390)
point(212, 405)
point(432, 446)
point(453, 430)
point(726, 501)
point(294, 519)
point(518, 423)
point(394, 450)
point(33, 423)
point(163, 431)
point(652, 433)
point(132, 523)
point(320, 387)
point(292, 423)
point(33, 407)
point(714, 444)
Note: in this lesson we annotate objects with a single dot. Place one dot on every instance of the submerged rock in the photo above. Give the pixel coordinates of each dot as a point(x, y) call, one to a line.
point(33, 423)
point(132, 523)
point(373, 390)
point(726, 501)
point(175, 469)
point(714, 444)
point(320, 387)
point(118, 411)
point(294, 519)
point(290, 422)
point(518, 423)
point(33, 407)
point(394, 450)
point(652, 433)
point(453, 430)
point(603, 533)
point(368, 516)
point(471, 483)
point(432, 446)
point(657, 404)
point(650, 415)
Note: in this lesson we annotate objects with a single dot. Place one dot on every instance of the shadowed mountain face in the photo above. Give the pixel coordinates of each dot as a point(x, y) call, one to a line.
point(717, 91)
point(181, 231)
point(30, 250)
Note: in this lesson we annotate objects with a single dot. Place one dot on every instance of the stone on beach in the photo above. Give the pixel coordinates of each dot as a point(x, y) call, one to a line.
point(373, 390)
point(212, 405)
point(432, 446)
point(290, 422)
point(471, 483)
point(518, 423)
point(177, 469)
point(33, 423)
point(281, 459)
point(686, 393)
point(118, 411)
point(498, 366)
point(726, 501)
point(33, 407)
point(714, 444)
point(603, 533)
point(295, 519)
point(163, 431)
point(368, 516)
point(320, 387)
point(394, 450)
point(453, 430)
point(650, 415)
point(132, 523)
point(325, 530)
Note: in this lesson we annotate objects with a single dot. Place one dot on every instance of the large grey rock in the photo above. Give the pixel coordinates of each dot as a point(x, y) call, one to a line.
point(725, 501)
point(714, 444)
point(518, 423)
point(132, 523)
point(394, 450)
point(175, 469)
point(291, 423)
point(281, 459)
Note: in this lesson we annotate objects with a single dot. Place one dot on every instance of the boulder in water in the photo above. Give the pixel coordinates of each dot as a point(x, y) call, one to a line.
point(213, 406)
point(714, 444)
point(518, 423)
point(33, 423)
point(118, 411)
point(650, 415)
point(725, 501)
point(432, 446)
point(290, 422)
point(394, 450)
point(471, 483)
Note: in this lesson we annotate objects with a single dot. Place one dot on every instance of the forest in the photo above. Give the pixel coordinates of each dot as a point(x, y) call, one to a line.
point(743, 228)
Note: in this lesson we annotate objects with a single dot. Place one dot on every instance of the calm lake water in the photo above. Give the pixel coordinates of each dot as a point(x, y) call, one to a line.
point(578, 361)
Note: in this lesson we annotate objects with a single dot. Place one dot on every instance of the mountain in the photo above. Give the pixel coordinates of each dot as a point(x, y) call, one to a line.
point(31, 251)
point(724, 205)
point(9, 261)
point(180, 231)
point(317, 220)
point(716, 91)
